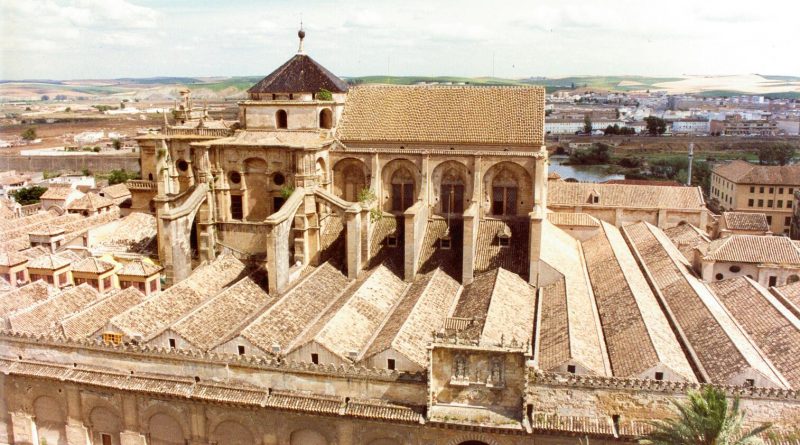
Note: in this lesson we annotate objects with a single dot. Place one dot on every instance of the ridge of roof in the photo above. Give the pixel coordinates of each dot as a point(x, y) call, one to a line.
point(300, 74)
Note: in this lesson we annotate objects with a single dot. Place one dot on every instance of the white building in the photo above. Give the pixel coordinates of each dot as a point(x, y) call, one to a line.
point(790, 127)
point(691, 126)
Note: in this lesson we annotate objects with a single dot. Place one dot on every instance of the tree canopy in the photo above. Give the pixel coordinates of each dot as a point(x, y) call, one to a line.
point(776, 154)
point(29, 134)
point(28, 195)
point(655, 125)
point(120, 176)
point(587, 124)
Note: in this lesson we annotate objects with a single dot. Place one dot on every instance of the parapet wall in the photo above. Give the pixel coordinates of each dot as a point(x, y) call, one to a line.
point(94, 163)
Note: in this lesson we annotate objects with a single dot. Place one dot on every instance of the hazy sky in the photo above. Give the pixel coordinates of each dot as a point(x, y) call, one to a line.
point(79, 39)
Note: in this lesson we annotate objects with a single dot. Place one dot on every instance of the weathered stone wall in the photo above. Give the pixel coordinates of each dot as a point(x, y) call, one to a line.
point(95, 163)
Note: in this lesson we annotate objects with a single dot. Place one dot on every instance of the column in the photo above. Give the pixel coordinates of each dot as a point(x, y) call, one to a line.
point(353, 240)
point(130, 422)
point(468, 253)
point(23, 430)
point(197, 425)
point(77, 434)
point(537, 218)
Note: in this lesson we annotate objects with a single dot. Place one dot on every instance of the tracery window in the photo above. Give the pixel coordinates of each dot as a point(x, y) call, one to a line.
point(504, 194)
point(402, 190)
point(452, 192)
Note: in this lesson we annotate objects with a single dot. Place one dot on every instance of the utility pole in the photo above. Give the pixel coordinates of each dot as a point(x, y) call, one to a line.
point(691, 157)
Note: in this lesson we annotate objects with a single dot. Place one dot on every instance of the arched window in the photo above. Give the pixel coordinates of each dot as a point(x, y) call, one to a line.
point(402, 190)
point(281, 119)
point(504, 194)
point(452, 192)
point(792, 279)
point(325, 118)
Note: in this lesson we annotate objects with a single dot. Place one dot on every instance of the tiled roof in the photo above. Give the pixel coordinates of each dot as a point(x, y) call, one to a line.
point(488, 253)
point(92, 265)
point(132, 233)
point(686, 238)
point(139, 268)
point(721, 349)
point(215, 320)
point(446, 115)
point(790, 296)
point(57, 192)
point(116, 191)
point(382, 409)
point(352, 326)
point(154, 315)
point(553, 341)
point(509, 319)
point(573, 219)
point(87, 321)
point(756, 222)
point(300, 74)
point(24, 297)
point(285, 320)
point(753, 249)
point(312, 403)
point(771, 326)
point(475, 300)
point(11, 258)
point(90, 201)
point(48, 262)
point(44, 317)
point(421, 311)
point(643, 182)
point(743, 172)
point(637, 333)
point(563, 254)
point(560, 193)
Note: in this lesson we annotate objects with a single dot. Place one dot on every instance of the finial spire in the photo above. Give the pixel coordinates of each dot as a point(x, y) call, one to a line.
point(302, 35)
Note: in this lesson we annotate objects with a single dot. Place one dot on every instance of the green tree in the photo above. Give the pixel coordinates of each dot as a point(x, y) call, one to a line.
point(655, 125)
point(598, 154)
point(324, 94)
point(776, 154)
point(119, 176)
point(116, 143)
point(29, 134)
point(587, 124)
point(704, 419)
point(28, 195)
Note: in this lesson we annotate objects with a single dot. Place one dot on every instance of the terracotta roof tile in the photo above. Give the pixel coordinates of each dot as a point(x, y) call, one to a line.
point(686, 238)
point(560, 193)
point(637, 333)
point(44, 316)
point(86, 322)
point(310, 403)
point(754, 249)
point(756, 222)
point(773, 328)
point(573, 219)
point(721, 349)
point(57, 192)
point(790, 296)
point(446, 115)
point(743, 172)
point(92, 265)
point(25, 296)
point(489, 255)
point(48, 262)
point(116, 191)
point(381, 409)
point(300, 74)
point(139, 268)
point(90, 201)
point(11, 258)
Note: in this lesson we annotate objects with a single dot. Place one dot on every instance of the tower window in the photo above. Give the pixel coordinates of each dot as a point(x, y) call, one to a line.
point(236, 207)
point(281, 119)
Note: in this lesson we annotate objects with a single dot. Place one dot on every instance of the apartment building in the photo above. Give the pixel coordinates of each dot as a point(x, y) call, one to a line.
point(744, 187)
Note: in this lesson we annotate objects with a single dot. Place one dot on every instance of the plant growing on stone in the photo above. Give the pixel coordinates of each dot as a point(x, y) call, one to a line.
point(375, 214)
point(324, 94)
point(286, 191)
point(366, 196)
point(705, 418)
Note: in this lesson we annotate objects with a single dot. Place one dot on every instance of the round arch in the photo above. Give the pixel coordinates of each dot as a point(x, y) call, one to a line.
point(321, 170)
point(281, 119)
point(349, 178)
point(307, 437)
point(50, 420)
point(794, 278)
point(230, 432)
point(104, 420)
point(164, 429)
point(401, 182)
point(508, 190)
point(326, 118)
point(452, 187)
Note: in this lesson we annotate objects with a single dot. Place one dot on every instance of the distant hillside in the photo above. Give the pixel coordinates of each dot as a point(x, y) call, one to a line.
point(232, 88)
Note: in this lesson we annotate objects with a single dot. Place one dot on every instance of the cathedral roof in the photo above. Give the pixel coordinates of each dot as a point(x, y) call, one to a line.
point(300, 74)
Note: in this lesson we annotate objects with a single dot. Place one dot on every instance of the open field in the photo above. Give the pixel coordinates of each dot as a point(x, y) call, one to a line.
point(232, 88)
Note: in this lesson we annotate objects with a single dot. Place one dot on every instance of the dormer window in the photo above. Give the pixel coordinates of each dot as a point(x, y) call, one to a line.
point(391, 241)
point(281, 119)
point(504, 237)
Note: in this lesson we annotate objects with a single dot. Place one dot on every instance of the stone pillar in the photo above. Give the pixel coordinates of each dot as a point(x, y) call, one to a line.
point(197, 425)
point(353, 240)
point(375, 179)
point(662, 219)
point(345, 433)
point(540, 180)
point(426, 180)
point(468, 253)
point(130, 422)
point(410, 249)
point(311, 235)
point(77, 434)
point(23, 430)
point(366, 241)
point(278, 256)
point(477, 184)
point(537, 221)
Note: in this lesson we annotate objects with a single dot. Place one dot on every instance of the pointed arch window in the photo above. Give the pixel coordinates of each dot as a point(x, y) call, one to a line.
point(452, 192)
point(505, 190)
point(402, 190)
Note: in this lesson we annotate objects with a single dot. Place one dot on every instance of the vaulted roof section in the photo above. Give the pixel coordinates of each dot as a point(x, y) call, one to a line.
point(300, 74)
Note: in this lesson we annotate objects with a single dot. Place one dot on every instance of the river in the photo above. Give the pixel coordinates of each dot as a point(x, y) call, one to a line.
point(583, 173)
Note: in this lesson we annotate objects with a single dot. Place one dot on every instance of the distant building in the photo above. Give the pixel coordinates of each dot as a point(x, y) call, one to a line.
point(736, 126)
point(691, 126)
point(789, 127)
point(744, 187)
point(769, 260)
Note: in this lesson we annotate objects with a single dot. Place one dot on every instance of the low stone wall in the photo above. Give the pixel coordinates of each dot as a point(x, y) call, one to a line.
point(95, 163)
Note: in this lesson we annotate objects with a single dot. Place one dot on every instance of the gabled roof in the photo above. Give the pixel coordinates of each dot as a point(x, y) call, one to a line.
point(300, 74)
point(11, 258)
point(561, 193)
point(58, 192)
point(754, 222)
point(24, 296)
point(43, 317)
point(139, 268)
point(92, 265)
point(90, 201)
point(753, 249)
point(89, 320)
point(116, 191)
point(444, 115)
point(743, 172)
point(48, 262)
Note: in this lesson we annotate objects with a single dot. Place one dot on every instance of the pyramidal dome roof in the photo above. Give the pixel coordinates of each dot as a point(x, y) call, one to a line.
point(300, 74)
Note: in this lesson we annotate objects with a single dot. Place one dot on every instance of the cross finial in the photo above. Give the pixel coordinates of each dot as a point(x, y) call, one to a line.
point(302, 35)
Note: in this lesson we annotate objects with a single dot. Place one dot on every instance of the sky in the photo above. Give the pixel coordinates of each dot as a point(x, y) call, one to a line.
point(100, 39)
